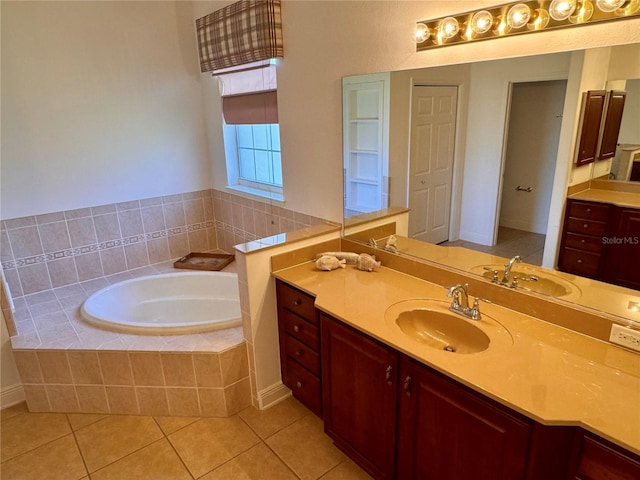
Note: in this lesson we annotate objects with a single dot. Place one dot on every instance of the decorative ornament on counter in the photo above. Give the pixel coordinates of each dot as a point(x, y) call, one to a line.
point(367, 263)
point(350, 257)
point(330, 262)
point(391, 244)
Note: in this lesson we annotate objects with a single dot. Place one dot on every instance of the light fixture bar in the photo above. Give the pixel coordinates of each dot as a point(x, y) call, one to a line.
point(517, 18)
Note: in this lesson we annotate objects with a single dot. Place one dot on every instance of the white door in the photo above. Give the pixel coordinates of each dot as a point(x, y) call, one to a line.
point(433, 126)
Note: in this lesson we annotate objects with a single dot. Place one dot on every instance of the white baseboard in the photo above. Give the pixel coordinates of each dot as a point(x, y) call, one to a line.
point(11, 395)
point(525, 226)
point(476, 238)
point(269, 396)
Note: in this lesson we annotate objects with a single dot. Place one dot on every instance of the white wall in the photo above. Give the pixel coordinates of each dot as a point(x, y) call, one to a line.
point(630, 128)
point(10, 387)
point(101, 103)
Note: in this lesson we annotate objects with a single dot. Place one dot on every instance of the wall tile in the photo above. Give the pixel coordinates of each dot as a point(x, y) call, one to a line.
point(158, 250)
point(28, 366)
point(183, 401)
point(212, 239)
point(122, 400)
point(54, 236)
point(149, 202)
point(147, 369)
point(207, 368)
point(136, 255)
point(153, 219)
point(62, 272)
point(131, 205)
point(62, 398)
point(6, 254)
point(207, 204)
point(194, 211)
point(85, 368)
point(107, 227)
point(77, 213)
point(25, 242)
point(19, 222)
point(55, 366)
point(152, 400)
point(82, 231)
point(50, 217)
point(174, 215)
point(130, 222)
point(92, 398)
point(238, 396)
point(88, 266)
point(198, 241)
point(13, 280)
point(36, 396)
point(113, 260)
point(236, 216)
point(178, 245)
point(178, 370)
point(115, 367)
point(34, 278)
point(212, 402)
point(103, 209)
point(233, 364)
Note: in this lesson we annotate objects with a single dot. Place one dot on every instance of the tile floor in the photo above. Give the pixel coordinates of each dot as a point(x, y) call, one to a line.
point(281, 443)
point(510, 242)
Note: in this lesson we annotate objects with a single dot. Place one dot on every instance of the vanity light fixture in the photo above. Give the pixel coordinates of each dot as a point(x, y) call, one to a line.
point(518, 18)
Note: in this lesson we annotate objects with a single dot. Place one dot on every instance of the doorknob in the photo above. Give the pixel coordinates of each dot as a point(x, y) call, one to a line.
point(523, 189)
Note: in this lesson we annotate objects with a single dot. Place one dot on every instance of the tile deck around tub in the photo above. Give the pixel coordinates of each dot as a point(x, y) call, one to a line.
point(50, 320)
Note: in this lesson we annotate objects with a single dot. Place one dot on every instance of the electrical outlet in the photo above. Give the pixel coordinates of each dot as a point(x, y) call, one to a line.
point(625, 336)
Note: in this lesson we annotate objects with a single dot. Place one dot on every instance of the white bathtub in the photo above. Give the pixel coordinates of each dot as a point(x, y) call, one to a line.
point(167, 304)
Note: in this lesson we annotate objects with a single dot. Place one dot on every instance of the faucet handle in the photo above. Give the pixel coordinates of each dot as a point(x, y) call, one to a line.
point(475, 309)
point(494, 272)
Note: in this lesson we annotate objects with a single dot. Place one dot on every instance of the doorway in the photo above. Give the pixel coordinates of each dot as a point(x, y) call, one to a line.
point(431, 154)
point(531, 148)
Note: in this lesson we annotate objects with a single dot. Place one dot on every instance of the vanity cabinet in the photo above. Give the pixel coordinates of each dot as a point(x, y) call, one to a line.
point(601, 241)
point(359, 377)
point(596, 460)
point(448, 432)
point(591, 119)
point(299, 334)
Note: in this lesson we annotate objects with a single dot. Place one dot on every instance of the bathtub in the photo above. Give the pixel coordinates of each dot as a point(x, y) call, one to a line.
point(167, 304)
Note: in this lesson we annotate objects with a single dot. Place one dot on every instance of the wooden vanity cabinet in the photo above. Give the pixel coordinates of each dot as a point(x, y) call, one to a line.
point(359, 377)
point(597, 459)
point(621, 261)
point(591, 119)
point(447, 432)
point(299, 334)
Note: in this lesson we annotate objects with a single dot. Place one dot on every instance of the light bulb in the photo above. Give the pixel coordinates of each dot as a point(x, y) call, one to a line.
point(562, 9)
point(422, 33)
point(583, 12)
point(481, 22)
point(449, 28)
point(539, 19)
point(609, 6)
point(518, 15)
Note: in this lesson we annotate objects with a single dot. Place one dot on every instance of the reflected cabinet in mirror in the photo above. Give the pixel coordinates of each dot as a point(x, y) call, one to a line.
point(486, 156)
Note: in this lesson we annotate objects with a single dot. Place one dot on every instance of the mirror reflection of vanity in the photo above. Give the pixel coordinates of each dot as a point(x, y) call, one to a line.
point(482, 148)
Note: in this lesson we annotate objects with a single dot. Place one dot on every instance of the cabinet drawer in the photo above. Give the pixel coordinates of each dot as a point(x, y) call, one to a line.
point(297, 302)
point(305, 386)
point(586, 227)
point(588, 211)
point(300, 329)
point(584, 242)
point(599, 461)
point(579, 262)
point(302, 354)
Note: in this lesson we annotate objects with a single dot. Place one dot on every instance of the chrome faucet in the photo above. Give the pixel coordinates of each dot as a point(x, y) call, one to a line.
point(508, 267)
point(460, 302)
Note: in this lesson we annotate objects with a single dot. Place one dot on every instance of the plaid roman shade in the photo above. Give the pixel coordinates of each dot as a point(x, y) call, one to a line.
point(244, 32)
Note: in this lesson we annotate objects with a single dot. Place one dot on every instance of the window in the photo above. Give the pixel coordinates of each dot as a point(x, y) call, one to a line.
point(253, 159)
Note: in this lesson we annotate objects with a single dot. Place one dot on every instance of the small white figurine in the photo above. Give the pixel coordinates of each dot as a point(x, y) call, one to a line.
point(329, 262)
point(367, 263)
point(350, 257)
point(391, 244)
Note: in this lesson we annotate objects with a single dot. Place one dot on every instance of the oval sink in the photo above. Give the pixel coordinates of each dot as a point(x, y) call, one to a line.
point(430, 322)
point(548, 283)
point(447, 331)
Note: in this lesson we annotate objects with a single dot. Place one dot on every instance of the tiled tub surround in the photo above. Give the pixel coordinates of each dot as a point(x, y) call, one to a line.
point(67, 365)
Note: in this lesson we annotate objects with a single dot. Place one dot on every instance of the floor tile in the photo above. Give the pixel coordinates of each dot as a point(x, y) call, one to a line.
point(79, 420)
point(258, 463)
point(114, 437)
point(347, 470)
point(28, 431)
point(172, 424)
point(57, 460)
point(267, 422)
point(305, 448)
point(224, 438)
point(157, 461)
point(13, 410)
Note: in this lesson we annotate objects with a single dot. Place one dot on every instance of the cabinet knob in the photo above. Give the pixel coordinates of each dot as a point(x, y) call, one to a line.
point(407, 386)
point(388, 374)
point(297, 302)
point(579, 261)
point(588, 210)
point(586, 225)
point(583, 241)
point(298, 353)
point(298, 384)
point(296, 328)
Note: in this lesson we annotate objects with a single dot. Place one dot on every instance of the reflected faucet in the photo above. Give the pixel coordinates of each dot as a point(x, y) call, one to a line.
point(508, 267)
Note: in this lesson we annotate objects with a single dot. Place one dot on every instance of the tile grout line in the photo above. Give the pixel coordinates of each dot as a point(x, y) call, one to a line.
point(166, 436)
point(75, 439)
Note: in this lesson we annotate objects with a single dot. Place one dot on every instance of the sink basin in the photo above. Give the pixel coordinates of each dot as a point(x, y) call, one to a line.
point(548, 283)
point(429, 322)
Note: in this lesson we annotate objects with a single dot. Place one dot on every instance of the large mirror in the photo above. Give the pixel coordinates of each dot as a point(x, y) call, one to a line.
point(481, 154)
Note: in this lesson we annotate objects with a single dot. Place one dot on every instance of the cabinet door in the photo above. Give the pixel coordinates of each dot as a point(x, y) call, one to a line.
point(621, 260)
point(447, 432)
point(612, 121)
point(590, 126)
point(359, 396)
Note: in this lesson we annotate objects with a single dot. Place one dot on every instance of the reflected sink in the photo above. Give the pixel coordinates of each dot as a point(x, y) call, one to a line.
point(548, 283)
point(430, 323)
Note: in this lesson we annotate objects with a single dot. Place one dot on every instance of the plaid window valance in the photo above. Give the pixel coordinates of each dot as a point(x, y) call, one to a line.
point(244, 32)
